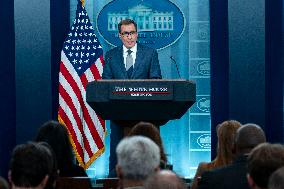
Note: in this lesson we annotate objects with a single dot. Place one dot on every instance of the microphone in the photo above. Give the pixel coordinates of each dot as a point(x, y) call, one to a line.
point(174, 61)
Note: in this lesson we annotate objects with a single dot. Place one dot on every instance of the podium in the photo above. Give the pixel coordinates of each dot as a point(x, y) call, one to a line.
point(127, 102)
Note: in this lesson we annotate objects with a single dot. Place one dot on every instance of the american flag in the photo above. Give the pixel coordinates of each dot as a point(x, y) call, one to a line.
point(81, 62)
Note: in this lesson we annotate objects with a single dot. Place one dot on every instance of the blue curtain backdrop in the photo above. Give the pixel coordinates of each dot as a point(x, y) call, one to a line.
point(7, 85)
point(190, 135)
point(274, 70)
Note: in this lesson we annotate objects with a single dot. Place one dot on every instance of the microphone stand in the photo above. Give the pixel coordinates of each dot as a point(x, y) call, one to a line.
point(174, 61)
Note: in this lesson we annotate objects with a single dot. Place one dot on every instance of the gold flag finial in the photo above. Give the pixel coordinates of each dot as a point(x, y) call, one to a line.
point(83, 3)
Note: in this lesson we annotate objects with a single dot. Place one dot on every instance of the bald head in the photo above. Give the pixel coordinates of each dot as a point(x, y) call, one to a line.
point(164, 179)
point(249, 136)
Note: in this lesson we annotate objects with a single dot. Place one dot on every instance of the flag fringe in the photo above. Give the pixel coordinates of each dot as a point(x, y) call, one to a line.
point(78, 157)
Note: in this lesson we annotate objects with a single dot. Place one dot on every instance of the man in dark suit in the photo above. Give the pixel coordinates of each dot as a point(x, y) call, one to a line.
point(129, 61)
point(145, 62)
point(234, 176)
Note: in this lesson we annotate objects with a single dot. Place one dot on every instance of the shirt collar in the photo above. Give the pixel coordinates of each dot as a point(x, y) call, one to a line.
point(133, 49)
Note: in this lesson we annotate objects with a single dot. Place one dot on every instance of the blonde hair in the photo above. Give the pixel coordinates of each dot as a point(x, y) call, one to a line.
point(226, 132)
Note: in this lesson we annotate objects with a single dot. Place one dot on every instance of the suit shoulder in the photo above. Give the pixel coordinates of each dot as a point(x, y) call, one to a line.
point(114, 50)
point(145, 48)
point(212, 175)
point(221, 171)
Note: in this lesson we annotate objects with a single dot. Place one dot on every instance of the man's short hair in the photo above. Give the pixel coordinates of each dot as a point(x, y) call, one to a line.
point(137, 157)
point(30, 163)
point(249, 136)
point(126, 22)
point(263, 161)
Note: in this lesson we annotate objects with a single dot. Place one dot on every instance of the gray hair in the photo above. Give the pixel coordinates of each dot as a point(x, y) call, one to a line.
point(137, 157)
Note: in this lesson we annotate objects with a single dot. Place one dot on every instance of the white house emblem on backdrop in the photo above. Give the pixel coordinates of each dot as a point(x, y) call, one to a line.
point(146, 18)
point(204, 141)
point(159, 23)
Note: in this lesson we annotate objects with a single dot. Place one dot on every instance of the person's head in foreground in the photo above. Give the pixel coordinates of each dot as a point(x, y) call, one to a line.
point(164, 179)
point(263, 160)
point(276, 180)
point(138, 157)
point(30, 166)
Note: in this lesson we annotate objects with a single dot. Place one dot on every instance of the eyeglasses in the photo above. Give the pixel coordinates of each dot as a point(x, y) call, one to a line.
point(126, 34)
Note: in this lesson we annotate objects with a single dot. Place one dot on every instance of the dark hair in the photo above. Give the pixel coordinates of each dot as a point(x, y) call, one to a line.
point(54, 173)
point(30, 163)
point(149, 130)
point(56, 135)
point(276, 180)
point(263, 161)
point(126, 22)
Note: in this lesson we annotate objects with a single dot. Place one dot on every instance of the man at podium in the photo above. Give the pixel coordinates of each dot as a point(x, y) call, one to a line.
point(128, 61)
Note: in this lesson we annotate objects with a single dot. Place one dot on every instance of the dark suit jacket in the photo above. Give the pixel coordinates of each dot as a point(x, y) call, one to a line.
point(146, 64)
point(229, 177)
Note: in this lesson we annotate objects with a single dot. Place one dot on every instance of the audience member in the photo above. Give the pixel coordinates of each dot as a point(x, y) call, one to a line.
point(3, 183)
point(56, 135)
point(150, 130)
point(226, 133)
point(234, 176)
point(276, 180)
point(164, 179)
point(30, 166)
point(51, 183)
point(262, 162)
point(137, 157)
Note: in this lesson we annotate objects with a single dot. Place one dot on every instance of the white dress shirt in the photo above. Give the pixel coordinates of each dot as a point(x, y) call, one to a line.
point(133, 54)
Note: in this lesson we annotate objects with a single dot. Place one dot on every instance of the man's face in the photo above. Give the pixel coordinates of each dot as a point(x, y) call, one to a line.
point(128, 35)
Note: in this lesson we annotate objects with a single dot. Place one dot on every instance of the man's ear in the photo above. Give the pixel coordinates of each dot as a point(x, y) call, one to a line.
point(157, 169)
point(119, 176)
point(44, 181)
point(10, 176)
point(251, 182)
point(234, 148)
point(118, 172)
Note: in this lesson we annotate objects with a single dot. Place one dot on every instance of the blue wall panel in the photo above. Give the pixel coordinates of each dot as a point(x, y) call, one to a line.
point(32, 66)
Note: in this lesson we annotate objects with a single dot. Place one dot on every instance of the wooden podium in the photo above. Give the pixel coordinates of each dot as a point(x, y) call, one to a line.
point(127, 102)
